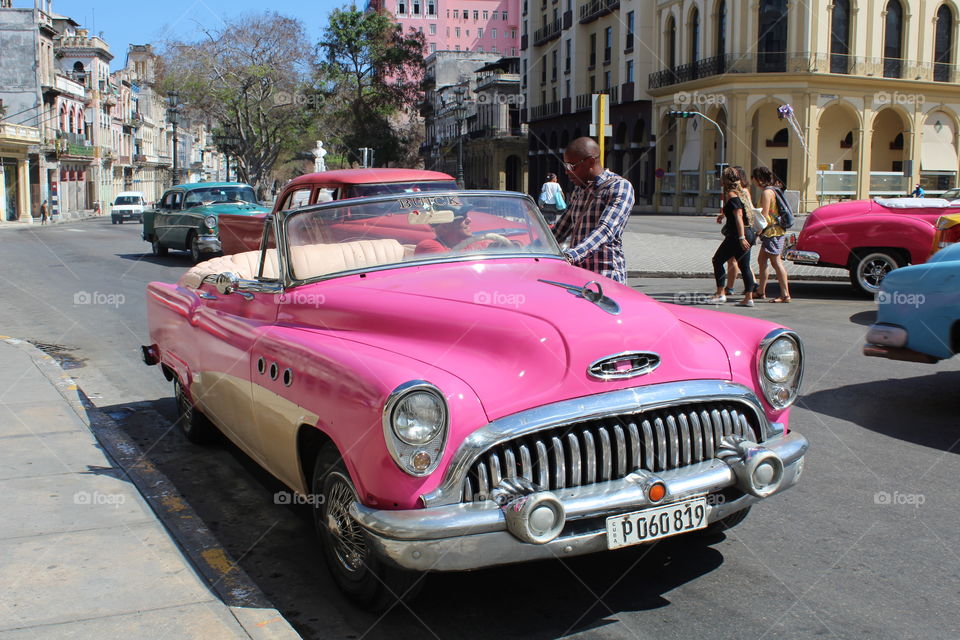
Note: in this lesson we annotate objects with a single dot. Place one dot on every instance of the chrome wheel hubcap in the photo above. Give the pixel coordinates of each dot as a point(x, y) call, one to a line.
point(345, 534)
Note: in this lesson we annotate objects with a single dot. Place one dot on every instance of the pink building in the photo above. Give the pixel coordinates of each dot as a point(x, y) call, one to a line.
point(483, 26)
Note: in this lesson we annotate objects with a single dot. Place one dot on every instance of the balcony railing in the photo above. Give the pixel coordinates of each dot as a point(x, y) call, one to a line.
point(497, 132)
point(805, 63)
point(594, 9)
point(585, 100)
point(545, 110)
point(547, 32)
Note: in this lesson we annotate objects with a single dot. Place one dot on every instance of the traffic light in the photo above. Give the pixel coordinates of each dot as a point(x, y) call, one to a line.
point(683, 114)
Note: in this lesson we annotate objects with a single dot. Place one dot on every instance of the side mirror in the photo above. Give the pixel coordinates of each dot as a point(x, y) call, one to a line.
point(227, 282)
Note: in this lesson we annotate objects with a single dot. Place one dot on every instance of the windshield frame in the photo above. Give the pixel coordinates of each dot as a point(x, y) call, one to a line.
point(282, 219)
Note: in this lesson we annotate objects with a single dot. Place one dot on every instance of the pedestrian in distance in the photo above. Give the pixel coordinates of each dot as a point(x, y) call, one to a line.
point(551, 201)
point(918, 192)
point(733, 270)
point(738, 238)
point(44, 216)
point(599, 208)
point(772, 238)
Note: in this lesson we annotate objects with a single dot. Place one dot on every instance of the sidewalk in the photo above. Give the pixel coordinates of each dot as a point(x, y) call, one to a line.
point(652, 255)
point(82, 553)
point(69, 216)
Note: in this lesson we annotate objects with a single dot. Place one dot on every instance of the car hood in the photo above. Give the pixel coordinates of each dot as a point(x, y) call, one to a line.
point(518, 342)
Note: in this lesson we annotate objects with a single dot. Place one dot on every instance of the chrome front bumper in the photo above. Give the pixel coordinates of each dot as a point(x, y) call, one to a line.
point(890, 341)
point(802, 257)
point(208, 244)
point(458, 537)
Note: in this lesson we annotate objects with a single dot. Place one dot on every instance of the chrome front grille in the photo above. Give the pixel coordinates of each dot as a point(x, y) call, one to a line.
point(608, 449)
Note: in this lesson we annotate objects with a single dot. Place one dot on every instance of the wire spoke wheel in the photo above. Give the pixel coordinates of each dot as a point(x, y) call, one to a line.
point(345, 534)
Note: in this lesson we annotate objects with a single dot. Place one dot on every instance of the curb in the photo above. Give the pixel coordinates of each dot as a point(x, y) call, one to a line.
point(705, 274)
point(22, 226)
point(222, 575)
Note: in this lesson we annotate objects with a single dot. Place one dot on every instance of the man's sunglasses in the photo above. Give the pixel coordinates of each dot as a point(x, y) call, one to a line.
point(571, 166)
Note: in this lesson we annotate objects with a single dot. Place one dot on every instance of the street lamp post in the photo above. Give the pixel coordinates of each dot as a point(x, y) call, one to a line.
point(460, 114)
point(173, 102)
point(226, 142)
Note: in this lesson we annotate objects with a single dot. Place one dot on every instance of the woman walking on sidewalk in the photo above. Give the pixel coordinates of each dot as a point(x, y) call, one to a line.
point(732, 269)
point(772, 238)
point(737, 240)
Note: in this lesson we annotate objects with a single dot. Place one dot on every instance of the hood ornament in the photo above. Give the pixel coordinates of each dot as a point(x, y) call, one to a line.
point(587, 293)
point(621, 366)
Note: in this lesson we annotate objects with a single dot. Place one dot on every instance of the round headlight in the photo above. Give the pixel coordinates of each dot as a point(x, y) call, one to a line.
point(419, 417)
point(782, 360)
point(210, 221)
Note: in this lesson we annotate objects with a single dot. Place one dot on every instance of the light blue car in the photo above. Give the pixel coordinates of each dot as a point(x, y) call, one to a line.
point(918, 311)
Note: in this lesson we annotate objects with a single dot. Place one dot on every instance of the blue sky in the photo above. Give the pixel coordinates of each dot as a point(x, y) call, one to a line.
point(148, 21)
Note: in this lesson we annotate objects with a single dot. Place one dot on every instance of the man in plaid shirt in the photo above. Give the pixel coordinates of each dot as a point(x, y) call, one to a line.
point(597, 212)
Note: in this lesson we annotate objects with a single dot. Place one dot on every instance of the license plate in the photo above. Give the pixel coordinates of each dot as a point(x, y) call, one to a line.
point(658, 522)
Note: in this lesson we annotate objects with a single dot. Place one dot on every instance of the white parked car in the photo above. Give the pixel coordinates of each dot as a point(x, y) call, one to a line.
point(128, 205)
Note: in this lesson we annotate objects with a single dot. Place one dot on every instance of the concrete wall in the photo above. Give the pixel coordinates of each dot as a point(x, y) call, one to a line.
point(18, 65)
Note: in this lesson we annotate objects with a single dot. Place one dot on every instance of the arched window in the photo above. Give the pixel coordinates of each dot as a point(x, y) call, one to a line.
point(64, 123)
point(721, 28)
point(943, 45)
point(840, 37)
point(73, 119)
point(772, 36)
point(671, 40)
point(694, 35)
point(893, 40)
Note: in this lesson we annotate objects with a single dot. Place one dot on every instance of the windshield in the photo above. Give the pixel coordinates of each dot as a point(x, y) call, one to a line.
point(951, 194)
point(360, 190)
point(129, 200)
point(212, 195)
point(396, 230)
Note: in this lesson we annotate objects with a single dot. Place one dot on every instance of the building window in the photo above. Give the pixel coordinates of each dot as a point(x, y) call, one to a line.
point(629, 70)
point(671, 43)
point(513, 33)
point(456, 31)
point(433, 47)
point(504, 16)
point(893, 40)
point(431, 7)
point(401, 7)
point(722, 28)
point(694, 35)
point(543, 72)
point(607, 44)
point(493, 49)
point(523, 79)
point(486, 15)
point(567, 85)
point(476, 14)
point(943, 45)
point(493, 33)
point(479, 32)
point(467, 33)
point(456, 13)
point(513, 52)
point(416, 7)
point(840, 37)
point(566, 59)
point(593, 49)
point(772, 36)
point(456, 48)
point(433, 28)
point(630, 29)
point(606, 81)
point(593, 84)
point(553, 65)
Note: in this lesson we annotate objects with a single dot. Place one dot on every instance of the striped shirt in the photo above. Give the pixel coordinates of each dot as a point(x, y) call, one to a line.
point(594, 224)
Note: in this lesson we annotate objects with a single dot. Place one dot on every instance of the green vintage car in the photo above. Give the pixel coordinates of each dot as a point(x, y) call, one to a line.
point(186, 216)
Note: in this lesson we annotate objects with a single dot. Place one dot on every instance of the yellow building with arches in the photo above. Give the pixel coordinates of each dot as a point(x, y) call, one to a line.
point(872, 85)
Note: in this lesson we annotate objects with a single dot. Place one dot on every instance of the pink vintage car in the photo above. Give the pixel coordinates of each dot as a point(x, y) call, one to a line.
point(870, 238)
point(472, 400)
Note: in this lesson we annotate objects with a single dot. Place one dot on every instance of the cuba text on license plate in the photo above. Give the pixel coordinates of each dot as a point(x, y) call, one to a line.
point(658, 522)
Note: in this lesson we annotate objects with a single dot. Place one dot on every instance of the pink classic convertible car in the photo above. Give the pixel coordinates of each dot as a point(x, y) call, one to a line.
point(870, 238)
point(472, 400)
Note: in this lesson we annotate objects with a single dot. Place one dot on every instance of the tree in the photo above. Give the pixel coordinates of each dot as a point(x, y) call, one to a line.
point(248, 78)
point(370, 74)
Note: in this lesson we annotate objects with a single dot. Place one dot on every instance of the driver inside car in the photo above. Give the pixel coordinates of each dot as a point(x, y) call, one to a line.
point(455, 235)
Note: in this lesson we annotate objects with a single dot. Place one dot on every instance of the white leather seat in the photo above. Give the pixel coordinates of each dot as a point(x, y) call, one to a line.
point(308, 261)
point(315, 260)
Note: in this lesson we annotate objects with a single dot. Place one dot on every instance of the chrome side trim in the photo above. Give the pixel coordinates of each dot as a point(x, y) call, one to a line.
point(803, 257)
point(575, 410)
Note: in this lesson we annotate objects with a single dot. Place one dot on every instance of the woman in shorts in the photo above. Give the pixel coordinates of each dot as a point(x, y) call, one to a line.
point(773, 237)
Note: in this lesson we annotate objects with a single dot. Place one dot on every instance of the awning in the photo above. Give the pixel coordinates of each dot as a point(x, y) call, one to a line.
point(937, 151)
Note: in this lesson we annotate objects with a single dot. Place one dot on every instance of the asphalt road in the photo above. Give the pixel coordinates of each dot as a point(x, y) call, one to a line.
point(865, 546)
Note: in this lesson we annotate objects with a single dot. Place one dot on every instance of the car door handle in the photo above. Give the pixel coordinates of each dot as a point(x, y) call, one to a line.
point(206, 296)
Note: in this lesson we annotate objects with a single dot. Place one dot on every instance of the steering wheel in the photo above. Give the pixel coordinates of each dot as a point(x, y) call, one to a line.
point(497, 241)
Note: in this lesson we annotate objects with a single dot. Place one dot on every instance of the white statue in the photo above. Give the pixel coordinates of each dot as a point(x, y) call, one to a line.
point(319, 164)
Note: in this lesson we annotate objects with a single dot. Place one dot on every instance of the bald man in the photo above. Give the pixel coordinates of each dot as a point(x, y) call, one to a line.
point(597, 212)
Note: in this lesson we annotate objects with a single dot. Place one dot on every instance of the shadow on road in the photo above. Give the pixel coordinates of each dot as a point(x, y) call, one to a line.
point(274, 543)
point(175, 258)
point(928, 402)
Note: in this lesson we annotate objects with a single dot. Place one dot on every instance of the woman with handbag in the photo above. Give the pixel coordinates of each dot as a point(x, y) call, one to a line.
point(773, 236)
point(551, 202)
point(757, 222)
point(738, 238)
